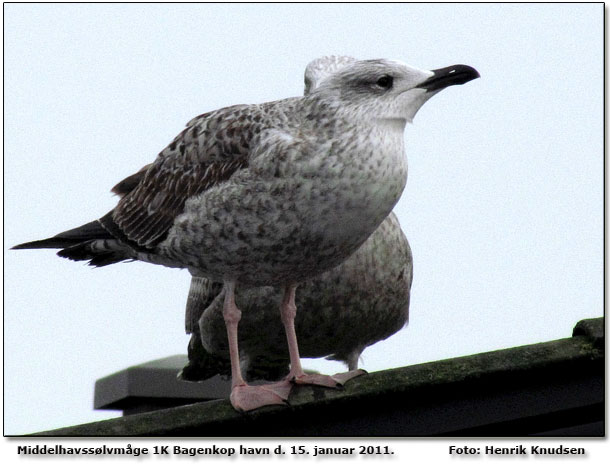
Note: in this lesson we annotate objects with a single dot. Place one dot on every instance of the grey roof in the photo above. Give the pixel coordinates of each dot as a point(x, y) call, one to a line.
point(554, 388)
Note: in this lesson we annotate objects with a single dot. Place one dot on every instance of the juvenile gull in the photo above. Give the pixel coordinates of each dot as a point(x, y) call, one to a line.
point(270, 195)
point(343, 311)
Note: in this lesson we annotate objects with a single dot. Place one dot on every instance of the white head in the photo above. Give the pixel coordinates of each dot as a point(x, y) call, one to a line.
point(386, 89)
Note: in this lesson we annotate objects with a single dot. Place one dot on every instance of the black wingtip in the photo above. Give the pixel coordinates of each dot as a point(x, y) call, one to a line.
point(49, 243)
point(89, 231)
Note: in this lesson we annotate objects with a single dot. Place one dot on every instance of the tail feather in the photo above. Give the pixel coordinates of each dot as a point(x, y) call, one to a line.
point(202, 365)
point(90, 231)
point(98, 253)
point(90, 242)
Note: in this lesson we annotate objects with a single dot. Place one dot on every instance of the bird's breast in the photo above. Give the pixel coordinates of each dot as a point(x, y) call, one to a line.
point(297, 220)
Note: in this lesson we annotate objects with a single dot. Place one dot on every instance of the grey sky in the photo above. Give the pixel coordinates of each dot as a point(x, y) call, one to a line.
point(503, 207)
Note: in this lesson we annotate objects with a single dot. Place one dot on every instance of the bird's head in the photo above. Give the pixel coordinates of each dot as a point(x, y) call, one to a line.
point(387, 89)
point(321, 68)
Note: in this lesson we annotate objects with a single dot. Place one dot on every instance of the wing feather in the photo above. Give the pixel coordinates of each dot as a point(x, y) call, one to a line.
point(128, 184)
point(212, 148)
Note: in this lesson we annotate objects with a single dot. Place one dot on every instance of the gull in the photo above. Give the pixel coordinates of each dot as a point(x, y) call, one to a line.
point(343, 311)
point(269, 194)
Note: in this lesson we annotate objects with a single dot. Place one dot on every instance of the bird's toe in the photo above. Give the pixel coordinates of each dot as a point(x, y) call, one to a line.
point(345, 376)
point(317, 379)
point(250, 397)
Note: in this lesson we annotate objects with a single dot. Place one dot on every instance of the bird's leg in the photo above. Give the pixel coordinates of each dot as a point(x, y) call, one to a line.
point(288, 311)
point(244, 397)
point(232, 316)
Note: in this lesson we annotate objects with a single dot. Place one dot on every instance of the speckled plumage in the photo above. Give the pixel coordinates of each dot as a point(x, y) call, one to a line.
point(269, 194)
point(341, 312)
point(272, 193)
point(295, 210)
point(354, 305)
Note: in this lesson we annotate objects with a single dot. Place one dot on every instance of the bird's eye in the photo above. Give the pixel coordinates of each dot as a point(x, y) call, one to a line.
point(385, 82)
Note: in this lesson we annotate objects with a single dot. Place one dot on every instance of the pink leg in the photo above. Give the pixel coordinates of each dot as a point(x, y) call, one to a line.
point(288, 311)
point(245, 397)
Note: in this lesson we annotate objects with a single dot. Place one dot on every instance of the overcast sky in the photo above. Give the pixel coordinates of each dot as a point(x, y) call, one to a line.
point(503, 207)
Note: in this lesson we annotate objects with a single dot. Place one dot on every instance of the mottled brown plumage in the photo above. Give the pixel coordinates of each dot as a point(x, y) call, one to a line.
point(270, 194)
point(342, 312)
point(209, 151)
point(360, 302)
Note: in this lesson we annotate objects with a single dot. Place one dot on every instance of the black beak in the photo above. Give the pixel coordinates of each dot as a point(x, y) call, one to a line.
point(450, 76)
